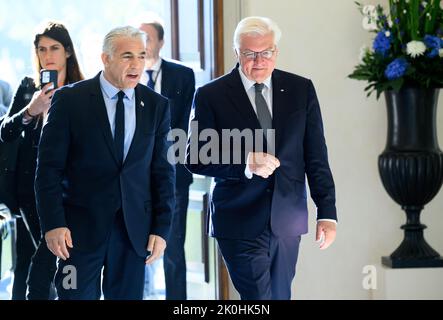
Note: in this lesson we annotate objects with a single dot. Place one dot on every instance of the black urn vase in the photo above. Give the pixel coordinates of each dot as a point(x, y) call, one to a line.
point(411, 169)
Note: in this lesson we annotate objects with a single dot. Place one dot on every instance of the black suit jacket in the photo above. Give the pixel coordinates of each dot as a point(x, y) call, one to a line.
point(240, 207)
point(178, 85)
point(18, 150)
point(79, 183)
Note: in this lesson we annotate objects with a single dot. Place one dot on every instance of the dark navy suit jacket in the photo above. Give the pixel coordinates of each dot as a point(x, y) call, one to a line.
point(240, 207)
point(178, 85)
point(79, 183)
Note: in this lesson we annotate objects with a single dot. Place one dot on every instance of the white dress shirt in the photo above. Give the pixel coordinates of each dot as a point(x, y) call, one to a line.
point(267, 94)
point(156, 76)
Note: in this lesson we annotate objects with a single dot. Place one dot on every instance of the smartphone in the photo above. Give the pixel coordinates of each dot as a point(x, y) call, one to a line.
point(47, 76)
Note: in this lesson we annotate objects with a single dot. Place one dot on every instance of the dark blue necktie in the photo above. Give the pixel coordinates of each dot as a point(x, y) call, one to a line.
point(151, 83)
point(119, 134)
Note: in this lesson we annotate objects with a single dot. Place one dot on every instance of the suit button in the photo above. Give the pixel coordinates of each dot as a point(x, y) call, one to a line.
point(268, 190)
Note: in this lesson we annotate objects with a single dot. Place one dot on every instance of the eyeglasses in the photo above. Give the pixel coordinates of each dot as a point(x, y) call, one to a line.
point(252, 55)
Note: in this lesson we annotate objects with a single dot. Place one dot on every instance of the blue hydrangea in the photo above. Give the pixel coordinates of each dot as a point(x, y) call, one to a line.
point(382, 44)
point(396, 69)
point(434, 44)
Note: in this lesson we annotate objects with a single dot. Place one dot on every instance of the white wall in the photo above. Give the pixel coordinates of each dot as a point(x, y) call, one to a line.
point(321, 41)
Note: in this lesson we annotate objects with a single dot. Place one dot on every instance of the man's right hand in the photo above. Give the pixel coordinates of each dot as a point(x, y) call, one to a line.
point(57, 240)
point(262, 164)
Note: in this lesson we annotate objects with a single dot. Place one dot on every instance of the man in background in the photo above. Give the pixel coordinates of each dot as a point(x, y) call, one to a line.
point(177, 83)
point(5, 101)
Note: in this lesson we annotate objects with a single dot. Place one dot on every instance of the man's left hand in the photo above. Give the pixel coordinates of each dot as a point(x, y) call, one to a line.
point(326, 232)
point(156, 245)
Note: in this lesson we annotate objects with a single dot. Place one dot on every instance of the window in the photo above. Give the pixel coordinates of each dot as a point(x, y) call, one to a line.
point(87, 22)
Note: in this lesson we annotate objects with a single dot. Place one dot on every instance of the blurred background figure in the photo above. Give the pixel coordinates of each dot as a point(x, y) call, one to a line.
point(5, 97)
point(53, 50)
point(177, 83)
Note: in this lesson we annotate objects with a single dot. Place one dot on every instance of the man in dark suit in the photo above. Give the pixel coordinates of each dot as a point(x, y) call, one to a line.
point(105, 190)
point(177, 83)
point(258, 205)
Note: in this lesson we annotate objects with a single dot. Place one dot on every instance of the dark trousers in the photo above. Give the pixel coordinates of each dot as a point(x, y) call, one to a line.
point(263, 268)
point(41, 274)
point(36, 265)
point(79, 277)
point(24, 250)
point(174, 262)
point(27, 231)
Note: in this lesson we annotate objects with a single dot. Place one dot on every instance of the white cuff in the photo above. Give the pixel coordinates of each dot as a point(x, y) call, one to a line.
point(248, 173)
point(331, 220)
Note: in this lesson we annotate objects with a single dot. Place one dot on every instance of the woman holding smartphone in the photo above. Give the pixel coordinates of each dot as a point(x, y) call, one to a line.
point(53, 50)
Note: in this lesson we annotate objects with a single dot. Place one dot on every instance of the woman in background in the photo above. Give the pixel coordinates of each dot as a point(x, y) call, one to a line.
point(53, 50)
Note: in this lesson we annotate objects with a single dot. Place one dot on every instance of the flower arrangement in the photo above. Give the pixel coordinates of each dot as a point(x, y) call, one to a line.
point(407, 49)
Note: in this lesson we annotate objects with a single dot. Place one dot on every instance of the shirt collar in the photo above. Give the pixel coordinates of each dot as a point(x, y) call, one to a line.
point(248, 84)
point(111, 91)
point(157, 65)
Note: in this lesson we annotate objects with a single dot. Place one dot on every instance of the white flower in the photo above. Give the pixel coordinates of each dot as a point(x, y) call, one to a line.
point(440, 53)
point(415, 48)
point(370, 17)
point(369, 10)
point(390, 23)
point(363, 51)
point(369, 24)
point(387, 34)
point(424, 4)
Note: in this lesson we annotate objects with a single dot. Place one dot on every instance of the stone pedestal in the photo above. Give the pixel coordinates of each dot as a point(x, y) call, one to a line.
point(405, 284)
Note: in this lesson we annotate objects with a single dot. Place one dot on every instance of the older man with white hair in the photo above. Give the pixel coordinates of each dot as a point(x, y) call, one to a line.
point(259, 207)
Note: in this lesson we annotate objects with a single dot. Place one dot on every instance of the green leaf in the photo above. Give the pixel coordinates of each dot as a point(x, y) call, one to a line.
point(410, 23)
point(397, 84)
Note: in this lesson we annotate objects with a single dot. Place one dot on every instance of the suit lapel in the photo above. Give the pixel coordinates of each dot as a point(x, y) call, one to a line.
point(166, 78)
point(99, 109)
point(280, 106)
point(240, 99)
point(139, 106)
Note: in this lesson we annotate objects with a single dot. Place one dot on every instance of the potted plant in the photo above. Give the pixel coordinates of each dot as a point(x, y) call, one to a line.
point(406, 64)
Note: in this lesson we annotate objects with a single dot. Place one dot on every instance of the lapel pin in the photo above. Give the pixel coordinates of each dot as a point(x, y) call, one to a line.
point(142, 103)
point(282, 90)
